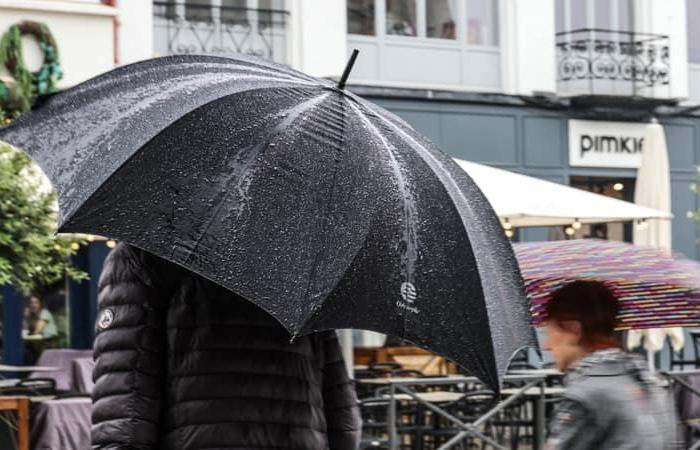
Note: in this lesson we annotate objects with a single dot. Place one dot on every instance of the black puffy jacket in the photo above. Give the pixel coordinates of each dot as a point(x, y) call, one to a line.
point(185, 364)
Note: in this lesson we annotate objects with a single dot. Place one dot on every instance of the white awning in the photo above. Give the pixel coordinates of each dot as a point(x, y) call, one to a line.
point(531, 202)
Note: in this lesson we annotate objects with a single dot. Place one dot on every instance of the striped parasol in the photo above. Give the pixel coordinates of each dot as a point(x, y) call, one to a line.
point(656, 288)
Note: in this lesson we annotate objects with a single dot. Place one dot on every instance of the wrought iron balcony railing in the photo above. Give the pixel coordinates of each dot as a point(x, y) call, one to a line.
point(606, 62)
point(197, 26)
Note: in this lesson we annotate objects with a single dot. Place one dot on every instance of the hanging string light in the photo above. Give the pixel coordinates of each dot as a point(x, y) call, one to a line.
point(74, 246)
point(510, 233)
point(570, 231)
point(576, 225)
point(111, 244)
point(507, 225)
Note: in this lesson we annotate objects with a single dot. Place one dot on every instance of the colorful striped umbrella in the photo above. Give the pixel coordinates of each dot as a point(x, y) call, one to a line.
point(656, 288)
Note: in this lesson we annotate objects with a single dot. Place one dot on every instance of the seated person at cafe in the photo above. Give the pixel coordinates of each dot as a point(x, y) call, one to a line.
point(39, 320)
point(40, 329)
point(611, 400)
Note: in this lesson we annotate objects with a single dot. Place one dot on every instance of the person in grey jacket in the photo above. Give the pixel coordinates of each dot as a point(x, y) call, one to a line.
point(182, 363)
point(611, 400)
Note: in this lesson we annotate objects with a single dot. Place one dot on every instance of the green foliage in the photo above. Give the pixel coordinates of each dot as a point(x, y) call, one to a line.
point(31, 256)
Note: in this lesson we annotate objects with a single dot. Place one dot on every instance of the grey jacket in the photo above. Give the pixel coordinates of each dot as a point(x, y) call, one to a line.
point(612, 402)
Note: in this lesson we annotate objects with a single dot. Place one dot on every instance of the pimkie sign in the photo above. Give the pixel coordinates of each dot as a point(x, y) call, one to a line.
point(606, 144)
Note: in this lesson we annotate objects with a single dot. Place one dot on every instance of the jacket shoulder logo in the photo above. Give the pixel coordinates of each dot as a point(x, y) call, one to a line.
point(106, 319)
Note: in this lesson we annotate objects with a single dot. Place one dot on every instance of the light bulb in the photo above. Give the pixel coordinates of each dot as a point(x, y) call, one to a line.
point(91, 238)
point(507, 225)
point(75, 246)
point(509, 233)
point(618, 186)
point(576, 225)
point(570, 231)
point(111, 244)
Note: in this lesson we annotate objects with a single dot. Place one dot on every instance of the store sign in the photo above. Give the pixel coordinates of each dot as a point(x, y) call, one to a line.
point(606, 144)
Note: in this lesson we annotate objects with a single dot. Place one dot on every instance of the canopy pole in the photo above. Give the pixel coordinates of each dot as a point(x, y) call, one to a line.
point(348, 69)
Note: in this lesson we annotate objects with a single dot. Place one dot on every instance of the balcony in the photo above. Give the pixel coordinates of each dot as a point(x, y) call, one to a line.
point(594, 62)
point(196, 26)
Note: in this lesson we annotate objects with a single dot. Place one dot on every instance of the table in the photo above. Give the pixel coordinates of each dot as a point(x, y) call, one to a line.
point(550, 372)
point(10, 368)
point(61, 423)
point(401, 386)
point(555, 391)
point(431, 397)
point(21, 406)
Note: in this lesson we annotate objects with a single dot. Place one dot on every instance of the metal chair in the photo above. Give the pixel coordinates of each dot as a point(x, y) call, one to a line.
point(678, 359)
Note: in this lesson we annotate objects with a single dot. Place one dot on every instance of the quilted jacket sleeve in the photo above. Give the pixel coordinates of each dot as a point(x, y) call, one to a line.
point(129, 350)
point(339, 398)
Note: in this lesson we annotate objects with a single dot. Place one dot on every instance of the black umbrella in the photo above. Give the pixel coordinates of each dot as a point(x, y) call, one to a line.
point(320, 207)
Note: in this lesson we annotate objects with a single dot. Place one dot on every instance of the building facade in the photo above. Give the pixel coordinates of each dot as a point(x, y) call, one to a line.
point(502, 82)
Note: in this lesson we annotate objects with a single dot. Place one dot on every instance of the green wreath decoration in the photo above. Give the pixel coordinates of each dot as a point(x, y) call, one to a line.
point(29, 84)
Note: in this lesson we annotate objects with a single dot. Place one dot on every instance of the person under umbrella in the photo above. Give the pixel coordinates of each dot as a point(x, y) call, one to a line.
point(317, 206)
point(611, 400)
point(321, 208)
point(184, 363)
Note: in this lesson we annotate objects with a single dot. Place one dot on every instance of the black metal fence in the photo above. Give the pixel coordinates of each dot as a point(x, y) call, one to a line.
point(607, 62)
point(197, 26)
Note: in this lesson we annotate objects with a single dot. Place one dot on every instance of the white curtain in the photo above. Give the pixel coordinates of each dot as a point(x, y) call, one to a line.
point(439, 13)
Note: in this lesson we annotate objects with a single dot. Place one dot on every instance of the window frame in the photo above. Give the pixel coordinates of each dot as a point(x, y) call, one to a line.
point(421, 39)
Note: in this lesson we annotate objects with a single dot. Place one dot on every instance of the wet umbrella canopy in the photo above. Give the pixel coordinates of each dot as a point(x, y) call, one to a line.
point(318, 206)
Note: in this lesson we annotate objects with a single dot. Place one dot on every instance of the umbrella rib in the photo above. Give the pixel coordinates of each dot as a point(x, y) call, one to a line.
point(409, 255)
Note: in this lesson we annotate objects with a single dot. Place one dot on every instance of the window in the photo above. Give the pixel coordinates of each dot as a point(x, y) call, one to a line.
point(619, 188)
point(614, 15)
point(401, 17)
point(361, 17)
point(441, 18)
point(482, 22)
point(198, 10)
point(233, 12)
point(692, 17)
point(472, 22)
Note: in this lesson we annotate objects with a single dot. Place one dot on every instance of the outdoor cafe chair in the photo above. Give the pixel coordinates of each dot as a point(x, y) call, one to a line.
point(411, 423)
point(678, 358)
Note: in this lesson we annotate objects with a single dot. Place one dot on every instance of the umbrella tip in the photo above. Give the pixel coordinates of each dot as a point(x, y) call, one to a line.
point(348, 69)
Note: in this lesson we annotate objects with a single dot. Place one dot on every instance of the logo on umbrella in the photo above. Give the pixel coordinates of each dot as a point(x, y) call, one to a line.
point(106, 319)
point(408, 292)
point(409, 295)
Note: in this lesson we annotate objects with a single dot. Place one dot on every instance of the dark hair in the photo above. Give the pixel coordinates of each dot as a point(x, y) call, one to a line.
point(591, 303)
